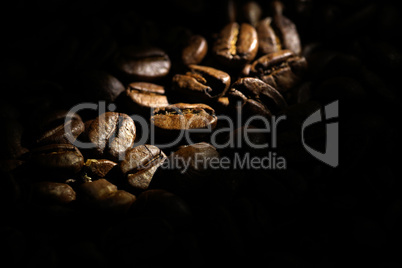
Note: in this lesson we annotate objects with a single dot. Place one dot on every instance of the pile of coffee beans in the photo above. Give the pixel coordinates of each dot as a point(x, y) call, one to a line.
point(133, 134)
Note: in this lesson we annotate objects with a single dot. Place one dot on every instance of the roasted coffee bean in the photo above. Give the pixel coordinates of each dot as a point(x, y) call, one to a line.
point(163, 204)
point(112, 134)
point(251, 12)
point(140, 164)
point(286, 29)
point(195, 50)
point(268, 41)
point(202, 82)
point(256, 97)
point(174, 118)
point(59, 127)
point(56, 160)
point(236, 45)
point(53, 192)
point(146, 64)
point(98, 85)
point(141, 97)
point(104, 196)
point(98, 168)
point(188, 169)
point(282, 70)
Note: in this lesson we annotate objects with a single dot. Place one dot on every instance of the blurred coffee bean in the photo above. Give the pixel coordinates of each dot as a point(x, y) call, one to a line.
point(282, 70)
point(56, 160)
point(251, 12)
point(57, 128)
point(140, 164)
point(53, 192)
point(202, 82)
point(195, 50)
point(286, 29)
point(112, 134)
point(236, 45)
point(163, 204)
point(141, 97)
point(189, 169)
point(146, 64)
point(98, 85)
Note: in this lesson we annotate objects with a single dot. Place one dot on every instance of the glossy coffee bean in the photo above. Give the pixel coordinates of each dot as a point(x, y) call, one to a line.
point(184, 116)
point(282, 70)
point(195, 50)
point(53, 192)
point(256, 97)
point(202, 82)
point(112, 134)
point(98, 168)
point(236, 45)
point(56, 160)
point(141, 97)
point(140, 164)
point(58, 127)
point(146, 64)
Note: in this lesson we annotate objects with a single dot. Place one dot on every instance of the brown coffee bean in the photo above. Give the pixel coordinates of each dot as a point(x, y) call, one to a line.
point(268, 41)
point(141, 97)
point(251, 12)
point(57, 128)
point(112, 135)
point(140, 164)
point(96, 190)
point(286, 29)
point(98, 168)
point(61, 160)
point(256, 97)
point(282, 70)
point(184, 116)
point(189, 168)
point(54, 192)
point(195, 51)
point(236, 45)
point(146, 64)
point(202, 82)
point(118, 202)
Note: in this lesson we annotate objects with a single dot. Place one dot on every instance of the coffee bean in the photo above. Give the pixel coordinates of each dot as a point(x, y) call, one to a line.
point(59, 127)
point(112, 134)
point(236, 45)
point(53, 192)
point(98, 168)
point(268, 41)
point(195, 51)
point(251, 12)
point(188, 169)
point(202, 82)
point(56, 160)
point(140, 164)
point(282, 70)
point(146, 64)
point(141, 97)
point(96, 190)
point(256, 97)
point(286, 29)
point(184, 116)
